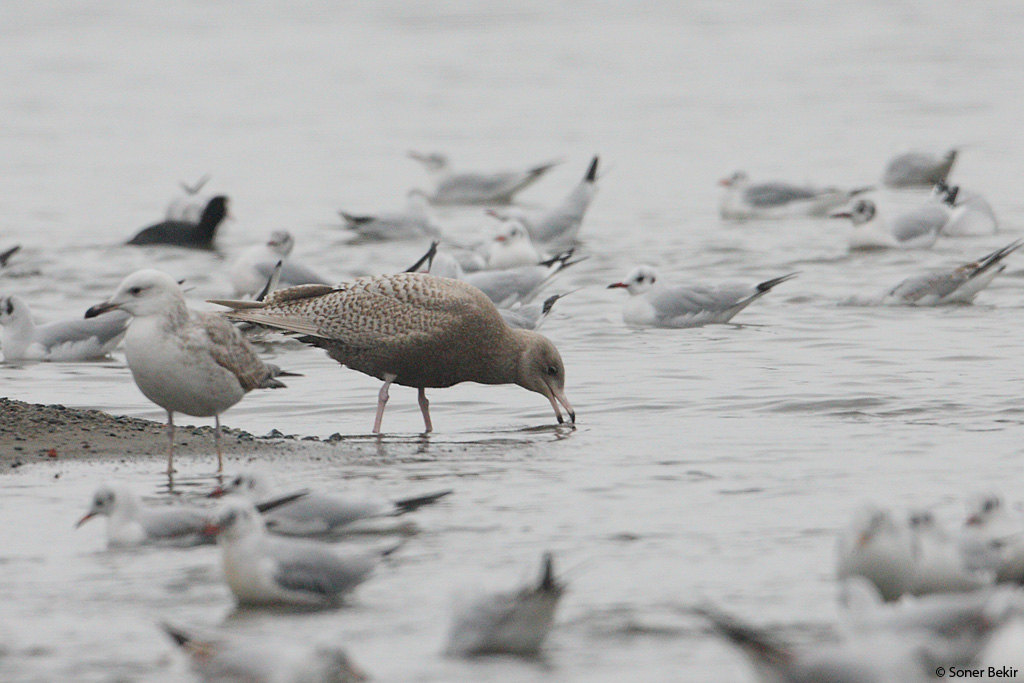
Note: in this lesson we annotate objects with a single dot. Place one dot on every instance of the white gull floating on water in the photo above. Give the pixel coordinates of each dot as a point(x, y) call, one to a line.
point(915, 229)
point(971, 214)
point(745, 200)
point(63, 340)
point(515, 622)
point(416, 222)
point(254, 266)
point(315, 514)
point(266, 570)
point(249, 659)
point(655, 304)
point(959, 285)
point(498, 187)
point(918, 169)
point(558, 227)
point(131, 523)
point(184, 361)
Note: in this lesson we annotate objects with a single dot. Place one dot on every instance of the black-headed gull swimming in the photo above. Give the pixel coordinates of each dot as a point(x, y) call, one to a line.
point(254, 266)
point(132, 523)
point(249, 659)
point(918, 169)
point(515, 622)
point(959, 285)
point(182, 233)
point(62, 340)
point(315, 514)
point(558, 227)
point(880, 548)
point(476, 187)
point(940, 564)
point(262, 569)
point(511, 247)
point(971, 214)
point(1002, 531)
point(915, 229)
point(416, 222)
point(184, 361)
point(745, 200)
point(652, 303)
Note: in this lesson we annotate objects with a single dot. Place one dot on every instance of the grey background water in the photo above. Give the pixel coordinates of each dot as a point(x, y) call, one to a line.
point(711, 463)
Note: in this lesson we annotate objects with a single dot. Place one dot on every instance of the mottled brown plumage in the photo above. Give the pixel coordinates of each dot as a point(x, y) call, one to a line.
point(415, 330)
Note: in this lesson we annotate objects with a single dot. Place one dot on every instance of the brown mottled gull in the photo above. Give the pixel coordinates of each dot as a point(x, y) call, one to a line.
point(416, 330)
point(182, 360)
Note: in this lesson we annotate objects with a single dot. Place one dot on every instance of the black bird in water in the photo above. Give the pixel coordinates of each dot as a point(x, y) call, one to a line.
point(184, 233)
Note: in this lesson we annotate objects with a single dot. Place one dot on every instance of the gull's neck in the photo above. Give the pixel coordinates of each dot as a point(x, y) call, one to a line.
point(17, 335)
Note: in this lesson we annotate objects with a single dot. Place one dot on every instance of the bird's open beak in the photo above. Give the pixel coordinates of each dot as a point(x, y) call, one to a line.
point(100, 309)
point(557, 397)
point(618, 284)
point(83, 520)
point(841, 214)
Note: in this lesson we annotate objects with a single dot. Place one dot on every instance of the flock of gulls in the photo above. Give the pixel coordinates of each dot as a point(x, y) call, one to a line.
point(468, 312)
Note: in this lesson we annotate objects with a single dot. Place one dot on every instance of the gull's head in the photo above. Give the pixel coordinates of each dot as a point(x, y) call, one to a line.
point(235, 520)
point(109, 500)
point(736, 179)
point(639, 280)
point(253, 486)
point(860, 212)
point(144, 292)
point(434, 161)
point(281, 243)
point(12, 310)
point(540, 369)
point(512, 232)
point(873, 524)
point(983, 508)
point(922, 520)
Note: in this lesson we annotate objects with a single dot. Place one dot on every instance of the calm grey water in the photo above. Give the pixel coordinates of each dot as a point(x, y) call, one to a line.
point(714, 463)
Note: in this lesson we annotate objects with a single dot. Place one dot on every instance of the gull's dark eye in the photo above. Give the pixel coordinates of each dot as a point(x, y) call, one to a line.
point(552, 370)
point(237, 481)
point(135, 291)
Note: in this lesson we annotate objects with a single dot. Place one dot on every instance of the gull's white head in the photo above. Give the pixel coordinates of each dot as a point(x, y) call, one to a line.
point(735, 180)
point(641, 279)
point(144, 292)
point(236, 520)
point(253, 486)
point(860, 212)
point(281, 243)
point(512, 232)
point(874, 524)
point(13, 310)
point(983, 508)
point(110, 500)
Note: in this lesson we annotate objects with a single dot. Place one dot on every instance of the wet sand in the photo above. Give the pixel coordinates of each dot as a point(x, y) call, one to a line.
point(39, 433)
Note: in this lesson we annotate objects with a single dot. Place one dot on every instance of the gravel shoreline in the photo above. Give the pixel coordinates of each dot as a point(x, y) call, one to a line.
point(37, 433)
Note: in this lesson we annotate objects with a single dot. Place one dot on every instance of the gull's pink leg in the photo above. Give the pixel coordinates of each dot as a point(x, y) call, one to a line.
point(216, 440)
point(425, 409)
point(170, 445)
point(382, 399)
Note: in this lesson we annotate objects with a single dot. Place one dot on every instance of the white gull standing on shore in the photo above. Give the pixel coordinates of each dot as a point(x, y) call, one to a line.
point(76, 339)
point(184, 361)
